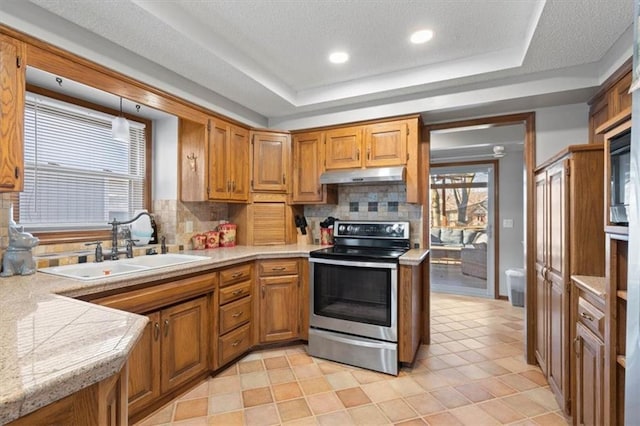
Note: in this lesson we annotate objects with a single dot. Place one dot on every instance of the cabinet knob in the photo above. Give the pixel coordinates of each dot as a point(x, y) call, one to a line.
point(156, 331)
point(166, 328)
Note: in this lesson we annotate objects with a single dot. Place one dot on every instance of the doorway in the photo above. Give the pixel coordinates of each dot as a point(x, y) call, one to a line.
point(462, 241)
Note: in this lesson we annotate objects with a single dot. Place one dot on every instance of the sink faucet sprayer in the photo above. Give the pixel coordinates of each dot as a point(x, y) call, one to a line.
point(114, 234)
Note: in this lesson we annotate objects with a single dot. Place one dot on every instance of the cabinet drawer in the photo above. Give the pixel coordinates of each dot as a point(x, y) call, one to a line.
point(278, 267)
point(591, 317)
point(235, 274)
point(235, 292)
point(235, 343)
point(234, 314)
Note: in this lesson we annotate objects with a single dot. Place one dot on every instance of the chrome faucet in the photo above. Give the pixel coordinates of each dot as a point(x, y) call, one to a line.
point(114, 234)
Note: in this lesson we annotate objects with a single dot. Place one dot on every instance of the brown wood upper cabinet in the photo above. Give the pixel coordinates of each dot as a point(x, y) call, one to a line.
point(12, 92)
point(611, 100)
point(308, 165)
point(214, 161)
point(270, 161)
point(373, 145)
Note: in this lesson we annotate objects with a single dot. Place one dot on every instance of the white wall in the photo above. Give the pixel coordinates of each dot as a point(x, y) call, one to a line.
point(511, 192)
point(558, 127)
point(165, 159)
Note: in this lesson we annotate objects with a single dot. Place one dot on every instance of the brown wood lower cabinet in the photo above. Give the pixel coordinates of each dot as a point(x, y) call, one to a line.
point(144, 366)
point(279, 294)
point(589, 405)
point(104, 404)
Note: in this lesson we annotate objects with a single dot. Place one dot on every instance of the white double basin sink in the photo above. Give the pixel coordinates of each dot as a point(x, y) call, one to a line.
point(112, 268)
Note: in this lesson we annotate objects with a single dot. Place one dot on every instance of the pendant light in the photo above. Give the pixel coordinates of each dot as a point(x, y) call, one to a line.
point(120, 127)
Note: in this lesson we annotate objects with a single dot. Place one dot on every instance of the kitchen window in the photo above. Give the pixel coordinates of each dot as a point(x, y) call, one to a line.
point(77, 177)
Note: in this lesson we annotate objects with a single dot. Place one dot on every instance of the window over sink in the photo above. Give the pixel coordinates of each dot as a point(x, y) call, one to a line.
point(77, 177)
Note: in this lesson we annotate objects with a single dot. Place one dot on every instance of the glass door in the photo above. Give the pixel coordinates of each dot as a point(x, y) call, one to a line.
point(462, 229)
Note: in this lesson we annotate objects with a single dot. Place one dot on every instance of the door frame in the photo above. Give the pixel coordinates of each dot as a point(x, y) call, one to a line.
point(494, 190)
point(529, 121)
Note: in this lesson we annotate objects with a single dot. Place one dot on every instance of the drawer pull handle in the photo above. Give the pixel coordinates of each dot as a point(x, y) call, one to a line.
point(586, 316)
point(237, 292)
point(237, 314)
point(278, 268)
point(236, 343)
point(156, 331)
point(166, 328)
point(237, 274)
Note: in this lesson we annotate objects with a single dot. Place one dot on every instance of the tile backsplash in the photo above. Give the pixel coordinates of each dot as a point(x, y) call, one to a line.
point(369, 202)
point(172, 217)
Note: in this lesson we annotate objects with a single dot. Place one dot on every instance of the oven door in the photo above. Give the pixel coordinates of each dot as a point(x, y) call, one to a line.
point(354, 297)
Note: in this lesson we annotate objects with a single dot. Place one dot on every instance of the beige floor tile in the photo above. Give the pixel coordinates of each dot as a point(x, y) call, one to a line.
point(366, 376)
point(225, 384)
point(262, 415)
point(544, 397)
point(453, 360)
point(473, 372)
point(315, 385)
point(380, 391)
point(518, 382)
point(353, 397)
point(322, 403)
point(496, 387)
point(339, 418)
point(501, 411)
point(406, 386)
point(257, 396)
point(471, 415)
point(234, 418)
point(284, 391)
point(550, 419)
point(272, 353)
point(453, 376)
point(450, 397)
point(341, 380)
point(435, 363)
point(223, 403)
point(443, 419)
point(430, 381)
point(200, 391)
point(299, 359)
point(397, 410)
point(425, 404)
point(160, 417)
point(330, 367)
point(493, 368)
point(194, 421)
point(250, 366)
point(524, 405)
point(254, 380)
point(276, 362)
point(306, 371)
point(535, 376)
point(229, 371)
point(474, 392)
point(515, 364)
point(281, 375)
point(367, 415)
point(293, 409)
point(191, 408)
point(412, 422)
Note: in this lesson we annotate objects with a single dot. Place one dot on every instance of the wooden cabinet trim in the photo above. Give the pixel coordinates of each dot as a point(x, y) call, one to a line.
point(233, 292)
point(234, 314)
point(278, 267)
point(150, 298)
point(234, 343)
point(236, 274)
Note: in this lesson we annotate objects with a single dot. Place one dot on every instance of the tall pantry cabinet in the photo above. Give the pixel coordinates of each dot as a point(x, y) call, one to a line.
point(569, 239)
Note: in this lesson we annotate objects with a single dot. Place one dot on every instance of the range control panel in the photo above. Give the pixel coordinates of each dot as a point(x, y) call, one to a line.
point(370, 229)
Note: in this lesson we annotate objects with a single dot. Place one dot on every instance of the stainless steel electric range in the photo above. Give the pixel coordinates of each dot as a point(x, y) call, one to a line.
point(354, 295)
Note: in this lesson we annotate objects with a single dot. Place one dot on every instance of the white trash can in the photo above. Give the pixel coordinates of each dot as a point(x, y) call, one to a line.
point(515, 286)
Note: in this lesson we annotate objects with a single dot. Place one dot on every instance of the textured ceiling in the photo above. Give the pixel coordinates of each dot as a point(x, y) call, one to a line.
point(270, 55)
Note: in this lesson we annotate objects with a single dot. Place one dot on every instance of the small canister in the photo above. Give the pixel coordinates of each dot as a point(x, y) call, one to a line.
point(326, 236)
point(199, 241)
point(213, 239)
point(227, 235)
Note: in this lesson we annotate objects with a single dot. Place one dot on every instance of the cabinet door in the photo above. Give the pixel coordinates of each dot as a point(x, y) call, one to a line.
point(542, 307)
point(619, 96)
point(598, 114)
point(219, 182)
point(307, 167)
point(144, 366)
point(270, 162)
point(184, 342)
point(112, 400)
point(12, 90)
point(279, 311)
point(386, 144)
point(343, 148)
point(589, 378)
point(557, 259)
point(238, 152)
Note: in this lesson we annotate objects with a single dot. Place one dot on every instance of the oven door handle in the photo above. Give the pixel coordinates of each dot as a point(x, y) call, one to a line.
point(358, 264)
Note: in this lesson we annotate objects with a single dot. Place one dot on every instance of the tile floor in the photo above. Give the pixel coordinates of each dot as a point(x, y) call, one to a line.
point(473, 373)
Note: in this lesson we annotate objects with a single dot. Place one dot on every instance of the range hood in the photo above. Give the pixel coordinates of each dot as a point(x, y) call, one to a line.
point(370, 175)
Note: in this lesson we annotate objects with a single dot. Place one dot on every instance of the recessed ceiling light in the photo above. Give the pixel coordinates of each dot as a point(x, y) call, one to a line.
point(339, 57)
point(421, 36)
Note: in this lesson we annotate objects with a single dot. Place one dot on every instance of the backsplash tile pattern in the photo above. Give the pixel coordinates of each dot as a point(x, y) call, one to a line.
point(172, 217)
point(390, 201)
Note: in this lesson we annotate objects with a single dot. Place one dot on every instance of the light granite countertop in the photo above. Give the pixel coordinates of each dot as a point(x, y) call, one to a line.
point(54, 345)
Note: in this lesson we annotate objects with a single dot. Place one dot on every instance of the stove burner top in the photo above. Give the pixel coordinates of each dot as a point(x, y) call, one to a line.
point(367, 240)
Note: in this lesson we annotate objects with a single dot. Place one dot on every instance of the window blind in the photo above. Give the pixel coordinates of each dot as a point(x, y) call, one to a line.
point(76, 176)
